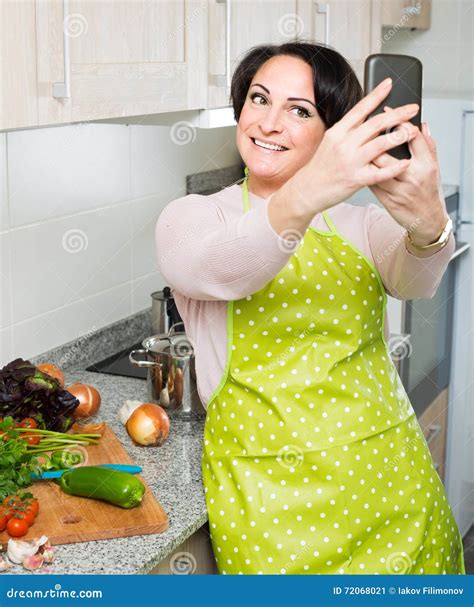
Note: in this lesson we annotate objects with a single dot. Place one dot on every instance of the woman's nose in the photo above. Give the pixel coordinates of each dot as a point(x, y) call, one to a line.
point(272, 121)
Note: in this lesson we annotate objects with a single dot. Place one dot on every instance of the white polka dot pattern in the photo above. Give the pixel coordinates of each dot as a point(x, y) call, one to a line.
point(314, 461)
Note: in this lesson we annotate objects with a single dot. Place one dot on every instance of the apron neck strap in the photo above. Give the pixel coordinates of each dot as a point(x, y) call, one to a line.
point(245, 191)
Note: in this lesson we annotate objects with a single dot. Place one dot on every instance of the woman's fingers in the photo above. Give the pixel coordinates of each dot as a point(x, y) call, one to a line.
point(383, 122)
point(384, 160)
point(366, 105)
point(374, 148)
point(376, 175)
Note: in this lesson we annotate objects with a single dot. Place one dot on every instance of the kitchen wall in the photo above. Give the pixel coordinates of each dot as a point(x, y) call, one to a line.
point(446, 49)
point(78, 208)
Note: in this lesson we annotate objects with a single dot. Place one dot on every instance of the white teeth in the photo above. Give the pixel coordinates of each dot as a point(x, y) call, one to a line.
point(268, 146)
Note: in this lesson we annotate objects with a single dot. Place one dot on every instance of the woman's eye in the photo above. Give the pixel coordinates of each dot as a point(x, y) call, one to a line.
point(304, 112)
point(252, 97)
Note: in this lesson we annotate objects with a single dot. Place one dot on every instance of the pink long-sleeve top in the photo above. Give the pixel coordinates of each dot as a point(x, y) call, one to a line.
point(210, 252)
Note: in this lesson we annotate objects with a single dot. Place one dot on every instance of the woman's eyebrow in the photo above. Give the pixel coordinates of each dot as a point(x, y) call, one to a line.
point(289, 98)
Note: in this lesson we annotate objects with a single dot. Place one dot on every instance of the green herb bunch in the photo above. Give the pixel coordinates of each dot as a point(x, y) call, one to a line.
point(16, 464)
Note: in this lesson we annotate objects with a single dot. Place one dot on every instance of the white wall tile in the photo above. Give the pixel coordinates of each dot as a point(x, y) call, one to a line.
point(47, 331)
point(3, 183)
point(62, 170)
point(158, 164)
point(144, 215)
point(5, 280)
point(6, 346)
point(143, 287)
point(445, 49)
point(62, 261)
point(444, 117)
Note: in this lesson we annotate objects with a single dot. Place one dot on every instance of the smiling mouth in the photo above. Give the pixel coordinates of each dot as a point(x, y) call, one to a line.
point(275, 148)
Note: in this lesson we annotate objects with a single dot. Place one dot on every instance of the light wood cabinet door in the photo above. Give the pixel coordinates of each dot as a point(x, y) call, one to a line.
point(352, 27)
point(123, 57)
point(406, 14)
point(237, 25)
point(18, 98)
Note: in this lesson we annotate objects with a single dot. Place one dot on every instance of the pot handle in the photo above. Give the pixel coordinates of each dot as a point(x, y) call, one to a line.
point(172, 328)
point(141, 363)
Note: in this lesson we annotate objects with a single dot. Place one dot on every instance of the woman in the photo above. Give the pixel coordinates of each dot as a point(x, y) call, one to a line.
point(313, 459)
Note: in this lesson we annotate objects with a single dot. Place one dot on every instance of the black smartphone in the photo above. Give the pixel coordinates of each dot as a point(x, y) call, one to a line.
point(407, 75)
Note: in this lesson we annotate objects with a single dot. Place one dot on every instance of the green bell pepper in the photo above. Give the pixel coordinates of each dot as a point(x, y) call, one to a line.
point(114, 486)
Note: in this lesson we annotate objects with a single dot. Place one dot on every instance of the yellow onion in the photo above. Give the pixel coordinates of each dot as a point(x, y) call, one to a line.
point(89, 400)
point(149, 424)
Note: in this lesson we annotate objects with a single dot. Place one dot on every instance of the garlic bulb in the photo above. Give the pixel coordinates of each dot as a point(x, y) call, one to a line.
point(165, 398)
point(127, 409)
point(18, 550)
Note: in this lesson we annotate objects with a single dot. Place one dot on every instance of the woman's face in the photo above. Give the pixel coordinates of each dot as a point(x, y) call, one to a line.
point(279, 109)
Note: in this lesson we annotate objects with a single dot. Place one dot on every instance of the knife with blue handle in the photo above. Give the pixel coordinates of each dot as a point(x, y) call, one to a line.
point(58, 473)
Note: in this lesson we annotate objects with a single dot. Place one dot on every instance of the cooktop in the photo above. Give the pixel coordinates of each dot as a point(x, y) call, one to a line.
point(119, 364)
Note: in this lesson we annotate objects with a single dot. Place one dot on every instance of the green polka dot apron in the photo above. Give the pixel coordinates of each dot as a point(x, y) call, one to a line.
point(313, 459)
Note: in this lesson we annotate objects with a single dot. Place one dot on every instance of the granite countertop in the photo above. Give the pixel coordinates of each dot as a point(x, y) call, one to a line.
point(172, 471)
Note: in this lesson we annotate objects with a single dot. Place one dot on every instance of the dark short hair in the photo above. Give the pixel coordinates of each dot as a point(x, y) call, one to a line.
point(336, 87)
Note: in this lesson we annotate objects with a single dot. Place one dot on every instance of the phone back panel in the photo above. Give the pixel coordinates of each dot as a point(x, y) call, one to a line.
point(407, 76)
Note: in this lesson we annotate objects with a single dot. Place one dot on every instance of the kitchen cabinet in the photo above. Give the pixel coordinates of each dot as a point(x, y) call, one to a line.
point(237, 25)
point(120, 58)
point(193, 556)
point(78, 60)
point(18, 88)
point(411, 14)
point(352, 27)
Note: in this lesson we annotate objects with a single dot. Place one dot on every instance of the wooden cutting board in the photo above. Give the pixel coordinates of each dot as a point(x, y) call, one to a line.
point(67, 519)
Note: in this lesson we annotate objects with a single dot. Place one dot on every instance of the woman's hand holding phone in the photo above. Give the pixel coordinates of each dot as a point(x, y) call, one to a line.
point(352, 155)
point(414, 198)
point(344, 160)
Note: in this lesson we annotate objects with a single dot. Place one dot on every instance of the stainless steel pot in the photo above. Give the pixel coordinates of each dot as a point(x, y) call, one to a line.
point(171, 378)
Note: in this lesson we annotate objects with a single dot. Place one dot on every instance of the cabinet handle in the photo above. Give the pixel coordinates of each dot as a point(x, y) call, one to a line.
point(434, 430)
point(225, 80)
point(63, 89)
point(322, 8)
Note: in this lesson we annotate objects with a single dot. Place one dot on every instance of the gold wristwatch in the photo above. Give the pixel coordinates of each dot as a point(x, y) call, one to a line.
point(441, 242)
